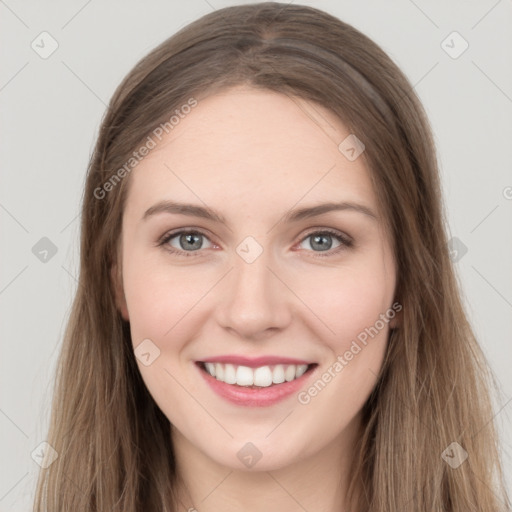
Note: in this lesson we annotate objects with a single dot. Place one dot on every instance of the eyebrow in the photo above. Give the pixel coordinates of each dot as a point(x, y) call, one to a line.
point(292, 216)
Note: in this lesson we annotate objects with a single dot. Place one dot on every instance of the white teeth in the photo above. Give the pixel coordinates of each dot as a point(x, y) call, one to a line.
point(244, 376)
point(211, 368)
point(289, 373)
point(219, 371)
point(301, 369)
point(230, 374)
point(262, 376)
point(278, 374)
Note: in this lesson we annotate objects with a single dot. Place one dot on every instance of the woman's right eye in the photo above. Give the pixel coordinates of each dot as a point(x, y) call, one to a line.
point(184, 240)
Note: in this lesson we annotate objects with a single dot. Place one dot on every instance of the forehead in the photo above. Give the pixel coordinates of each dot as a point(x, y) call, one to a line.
point(255, 146)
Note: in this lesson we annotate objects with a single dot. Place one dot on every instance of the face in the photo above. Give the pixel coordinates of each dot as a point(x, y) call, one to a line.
point(291, 307)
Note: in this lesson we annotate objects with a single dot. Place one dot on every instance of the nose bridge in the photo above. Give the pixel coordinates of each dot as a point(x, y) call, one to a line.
point(255, 299)
point(252, 277)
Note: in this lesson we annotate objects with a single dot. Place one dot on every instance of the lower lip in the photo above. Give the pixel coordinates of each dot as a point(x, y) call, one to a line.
point(255, 397)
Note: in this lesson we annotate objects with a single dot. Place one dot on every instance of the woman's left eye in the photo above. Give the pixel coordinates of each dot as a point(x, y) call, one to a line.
point(321, 240)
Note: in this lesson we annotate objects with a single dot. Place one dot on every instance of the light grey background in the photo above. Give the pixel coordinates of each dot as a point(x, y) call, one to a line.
point(51, 109)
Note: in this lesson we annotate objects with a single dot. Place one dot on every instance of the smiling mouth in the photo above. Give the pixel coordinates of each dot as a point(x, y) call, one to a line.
point(255, 378)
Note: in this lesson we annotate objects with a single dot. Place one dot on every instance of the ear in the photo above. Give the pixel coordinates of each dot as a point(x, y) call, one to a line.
point(117, 284)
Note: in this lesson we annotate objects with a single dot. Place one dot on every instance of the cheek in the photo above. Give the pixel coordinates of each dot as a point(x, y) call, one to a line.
point(160, 297)
point(356, 306)
point(349, 300)
point(161, 303)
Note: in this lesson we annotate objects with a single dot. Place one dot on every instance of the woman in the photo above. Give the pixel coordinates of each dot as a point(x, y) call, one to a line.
point(267, 368)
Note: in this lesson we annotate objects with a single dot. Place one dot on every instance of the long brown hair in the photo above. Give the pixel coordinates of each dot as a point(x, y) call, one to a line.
point(434, 388)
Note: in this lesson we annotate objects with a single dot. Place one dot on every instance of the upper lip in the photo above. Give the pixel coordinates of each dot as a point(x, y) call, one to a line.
point(254, 362)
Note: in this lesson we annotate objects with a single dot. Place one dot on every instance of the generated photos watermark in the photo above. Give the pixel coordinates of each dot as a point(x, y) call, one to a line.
point(151, 142)
point(305, 397)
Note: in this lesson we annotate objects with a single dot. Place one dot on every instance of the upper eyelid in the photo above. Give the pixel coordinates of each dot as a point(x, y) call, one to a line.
point(172, 234)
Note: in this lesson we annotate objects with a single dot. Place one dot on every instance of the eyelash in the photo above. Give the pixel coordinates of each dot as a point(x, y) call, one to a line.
point(345, 242)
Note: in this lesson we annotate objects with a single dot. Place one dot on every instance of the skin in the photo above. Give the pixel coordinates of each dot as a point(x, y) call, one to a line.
point(252, 156)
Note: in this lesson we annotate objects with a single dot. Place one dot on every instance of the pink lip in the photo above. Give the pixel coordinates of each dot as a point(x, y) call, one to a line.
point(255, 397)
point(254, 362)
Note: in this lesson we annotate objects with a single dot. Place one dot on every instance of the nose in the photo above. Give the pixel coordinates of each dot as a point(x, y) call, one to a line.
point(255, 301)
